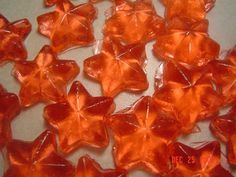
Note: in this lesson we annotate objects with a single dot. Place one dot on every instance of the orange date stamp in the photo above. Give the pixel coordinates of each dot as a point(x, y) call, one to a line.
point(183, 159)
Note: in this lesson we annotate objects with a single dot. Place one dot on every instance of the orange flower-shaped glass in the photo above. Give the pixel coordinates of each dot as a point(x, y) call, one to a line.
point(45, 78)
point(12, 36)
point(188, 93)
point(186, 42)
point(142, 134)
point(9, 108)
point(79, 120)
point(224, 72)
point(133, 22)
point(188, 8)
point(224, 127)
point(203, 161)
point(38, 158)
point(87, 167)
point(118, 67)
point(68, 26)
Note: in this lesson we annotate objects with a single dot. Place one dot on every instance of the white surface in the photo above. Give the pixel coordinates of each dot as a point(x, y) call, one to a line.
point(29, 124)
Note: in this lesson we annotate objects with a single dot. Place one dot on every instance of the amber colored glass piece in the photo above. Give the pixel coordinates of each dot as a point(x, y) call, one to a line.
point(79, 120)
point(224, 73)
point(68, 26)
point(224, 127)
point(188, 93)
point(133, 22)
point(188, 8)
point(44, 78)
point(50, 3)
point(118, 67)
point(142, 134)
point(202, 161)
point(186, 42)
point(9, 109)
point(37, 159)
point(12, 36)
point(87, 167)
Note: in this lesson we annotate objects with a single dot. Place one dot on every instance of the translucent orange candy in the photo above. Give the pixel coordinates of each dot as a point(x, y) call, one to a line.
point(44, 78)
point(12, 36)
point(188, 93)
point(87, 167)
point(118, 67)
point(69, 25)
point(9, 108)
point(188, 8)
point(224, 72)
point(133, 22)
point(79, 120)
point(38, 158)
point(224, 127)
point(186, 42)
point(142, 134)
point(203, 161)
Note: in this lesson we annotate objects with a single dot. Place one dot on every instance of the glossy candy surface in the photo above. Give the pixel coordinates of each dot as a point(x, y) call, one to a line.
point(69, 25)
point(186, 42)
point(44, 78)
point(187, 93)
point(79, 120)
point(224, 127)
point(133, 22)
point(37, 159)
point(224, 72)
point(142, 134)
point(203, 161)
point(87, 167)
point(9, 108)
point(118, 67)
point(188, 8)
point(12, 36)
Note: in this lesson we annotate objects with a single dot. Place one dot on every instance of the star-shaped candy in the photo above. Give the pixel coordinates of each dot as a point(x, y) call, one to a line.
point(118, 67)
point(188, 93)
point(9, 108)
point(203, 161)
point(142, 134)
point(38, 158)
point(68, 26)
point(45, 78)
point(224, 127)
point(79, 120)
point(224, 72)
point(133, 22)
point(87, 167)
point(188, 8)
point(186, 42)
point(12, 36)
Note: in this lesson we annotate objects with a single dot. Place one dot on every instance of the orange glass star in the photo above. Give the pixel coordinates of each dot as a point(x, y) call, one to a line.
point(133, 22)
point(9, 108)
point(186, 42)
point(142, 134)
point(69, 25)
point(224, 127)
point(188, 93)
point(118, 67)
point(203, 161)
point(12, 36)
point(79, 120)
point(188, 8)
point(38, 158)
point(87, 167)
point(224, 72)
point(45, 78)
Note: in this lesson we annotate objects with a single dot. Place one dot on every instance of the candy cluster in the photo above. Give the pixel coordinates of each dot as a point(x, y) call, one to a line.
point(194, 85)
